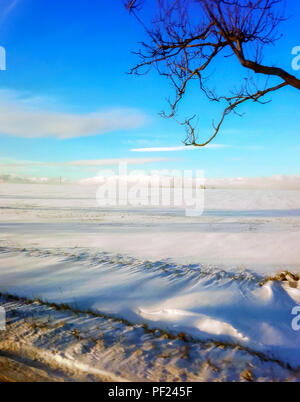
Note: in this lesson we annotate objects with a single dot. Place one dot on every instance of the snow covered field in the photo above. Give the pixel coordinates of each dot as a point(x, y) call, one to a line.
point(148, 293)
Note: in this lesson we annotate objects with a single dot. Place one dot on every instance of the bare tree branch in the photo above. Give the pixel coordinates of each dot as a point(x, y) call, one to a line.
point(188, 36)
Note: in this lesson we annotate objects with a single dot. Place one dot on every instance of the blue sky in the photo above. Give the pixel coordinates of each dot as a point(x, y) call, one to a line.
point(66, 68)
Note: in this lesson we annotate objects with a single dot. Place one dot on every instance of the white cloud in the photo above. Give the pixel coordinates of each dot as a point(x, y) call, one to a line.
point(111, 162)
point(14, 178)
point(181, 148)
point(30, 118)
point(279, 182)
point(84, 163)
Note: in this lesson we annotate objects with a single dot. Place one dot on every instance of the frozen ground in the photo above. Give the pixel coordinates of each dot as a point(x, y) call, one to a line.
point(152, 294)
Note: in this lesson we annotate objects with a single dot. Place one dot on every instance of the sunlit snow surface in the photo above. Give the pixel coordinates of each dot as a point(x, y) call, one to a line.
point(201, 276)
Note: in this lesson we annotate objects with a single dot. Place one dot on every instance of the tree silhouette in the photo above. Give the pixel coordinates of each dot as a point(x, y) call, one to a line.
point(188, 36)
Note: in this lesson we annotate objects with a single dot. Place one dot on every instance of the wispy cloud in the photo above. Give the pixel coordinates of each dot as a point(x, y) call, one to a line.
point(7, 7)
point(174, 149)
point(27, 117)
point(84, 163)
point(278, 182)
